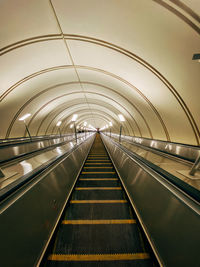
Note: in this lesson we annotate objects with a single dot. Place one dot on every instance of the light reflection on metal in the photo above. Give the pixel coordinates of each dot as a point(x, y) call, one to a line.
point(153, 144)
point(138, 140)
point(16, 150)
point(27, 167)
point(178, 148)
point(71, 144)
point(168, 146)
point(59, 150)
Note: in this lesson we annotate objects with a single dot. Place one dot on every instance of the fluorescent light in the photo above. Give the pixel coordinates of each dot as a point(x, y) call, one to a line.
point(103, 128)
point(85, 123)
point(110, 123)
point(78, 127)
point(58, 123)
point(71, 125)
point(24, 117)
point(75, 116)
point(121, 117)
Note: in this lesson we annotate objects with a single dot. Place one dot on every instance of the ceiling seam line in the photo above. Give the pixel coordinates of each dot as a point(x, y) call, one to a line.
point(71, 58)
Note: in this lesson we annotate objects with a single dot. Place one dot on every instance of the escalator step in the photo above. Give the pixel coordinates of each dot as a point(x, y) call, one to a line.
point(95, 211)
point(98, 183)
point(98, 194)
point(103, 263)
point(98, 239)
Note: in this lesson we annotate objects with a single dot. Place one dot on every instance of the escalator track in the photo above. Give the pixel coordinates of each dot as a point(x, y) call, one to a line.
point(98, 226)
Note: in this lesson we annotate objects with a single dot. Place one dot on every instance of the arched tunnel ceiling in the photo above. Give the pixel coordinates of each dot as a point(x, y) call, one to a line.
point(99, 59)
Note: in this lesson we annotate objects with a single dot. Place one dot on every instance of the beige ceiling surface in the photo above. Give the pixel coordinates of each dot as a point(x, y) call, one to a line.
point(99, 59)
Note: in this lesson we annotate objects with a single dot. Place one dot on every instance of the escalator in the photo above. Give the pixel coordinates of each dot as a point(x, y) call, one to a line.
point(98, 226)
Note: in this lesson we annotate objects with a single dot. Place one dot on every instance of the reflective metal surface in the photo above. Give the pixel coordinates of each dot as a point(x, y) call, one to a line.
point(177, 167)
point(12, 151)
point(15, 171)
point(184, 151)
point(28, 216)
point(170, 219)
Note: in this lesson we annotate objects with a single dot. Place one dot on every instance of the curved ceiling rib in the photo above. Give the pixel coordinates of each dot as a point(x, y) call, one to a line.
point(64, 109)
point(97, 111)
point(34, 115)
point(97, 70)
point(75, 111)
point(61, 57)
point(140, 61)
point(179, 14)
point(71, 83)
point(86, 117)
point(49, 37)
point(70, 111)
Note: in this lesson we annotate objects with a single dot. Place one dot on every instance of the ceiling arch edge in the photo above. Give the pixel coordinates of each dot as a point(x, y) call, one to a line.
point(142, 62)
point(97, 70)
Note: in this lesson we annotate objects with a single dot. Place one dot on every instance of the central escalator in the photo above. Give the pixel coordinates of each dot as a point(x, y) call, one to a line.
point(98, 226)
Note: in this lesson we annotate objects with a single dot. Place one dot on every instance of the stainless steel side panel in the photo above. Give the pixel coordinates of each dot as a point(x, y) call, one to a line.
point(181, 150)
point(28, 217)
point(9, 152)
point(170, 219)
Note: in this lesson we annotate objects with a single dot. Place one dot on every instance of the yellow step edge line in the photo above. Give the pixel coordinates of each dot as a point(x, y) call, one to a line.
point(97, 172)
point(98, 188)
point(97, 167)
point(98, 179)
point(97, 201)
point(98, 160)
point(97, 163)
point(99, 257)
point(98, 221)
point(97, 157)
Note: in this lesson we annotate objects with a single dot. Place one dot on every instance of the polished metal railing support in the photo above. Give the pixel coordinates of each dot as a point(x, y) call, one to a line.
point(195, 166)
